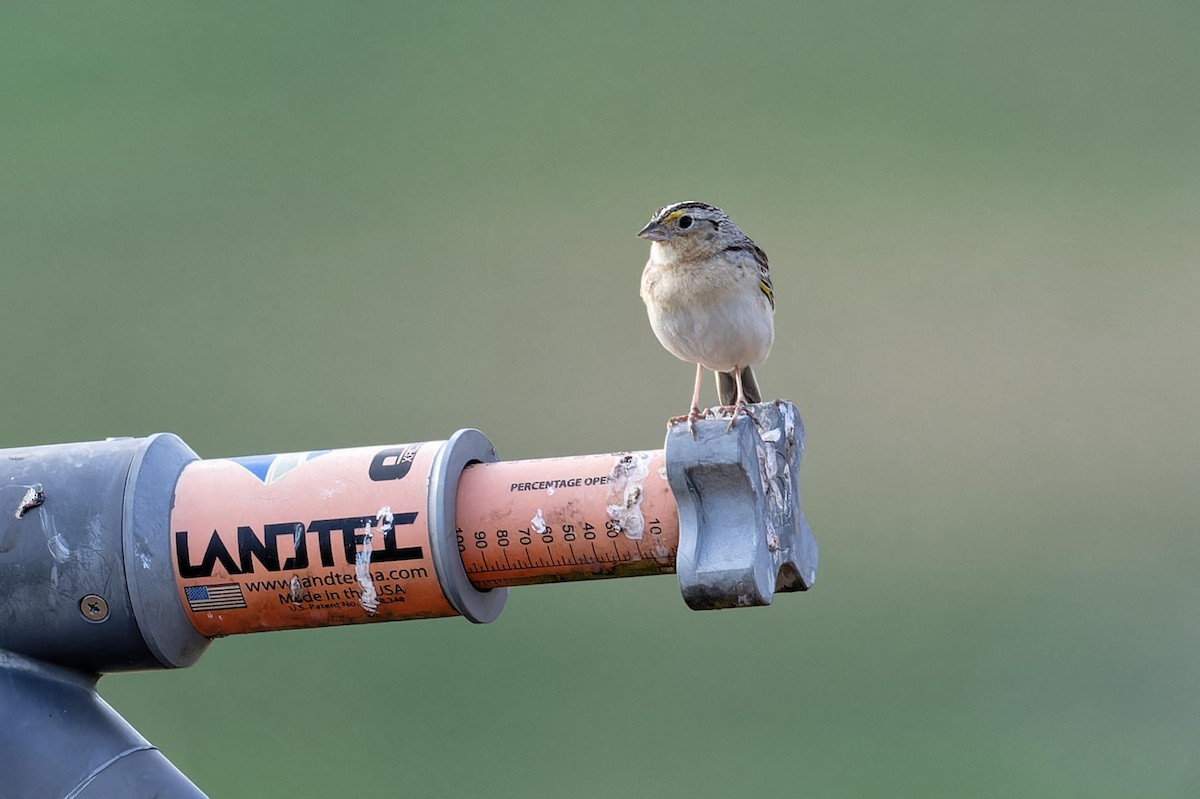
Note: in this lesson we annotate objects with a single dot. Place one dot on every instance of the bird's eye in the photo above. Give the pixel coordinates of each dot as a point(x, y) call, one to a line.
point(685, 222)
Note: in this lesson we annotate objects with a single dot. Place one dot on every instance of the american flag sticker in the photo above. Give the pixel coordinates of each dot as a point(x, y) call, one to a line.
point(203, 598)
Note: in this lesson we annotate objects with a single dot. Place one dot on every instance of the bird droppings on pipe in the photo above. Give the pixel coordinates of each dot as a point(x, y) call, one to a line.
point(362, 561)
point(538, 522)
point(625, 492)
point(33, 497)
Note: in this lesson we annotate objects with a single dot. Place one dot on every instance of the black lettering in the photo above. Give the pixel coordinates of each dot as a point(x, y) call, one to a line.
point(215, 551)
point(299, 544)
point(389, 551)
point(255, 553)
point(265, 551)
point(392, 464)
point(323, 528)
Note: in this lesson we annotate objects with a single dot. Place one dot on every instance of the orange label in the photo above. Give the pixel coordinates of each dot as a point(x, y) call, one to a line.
point(308, 539)
point(574, 518)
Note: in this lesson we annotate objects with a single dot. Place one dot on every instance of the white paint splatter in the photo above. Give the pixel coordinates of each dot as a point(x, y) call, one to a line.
point(54, 541)
point(385, 519)
point(32, 498)
point(625, 493)
point(362, 562)
point(332, 491)
point(788, 411)
point(538, 522)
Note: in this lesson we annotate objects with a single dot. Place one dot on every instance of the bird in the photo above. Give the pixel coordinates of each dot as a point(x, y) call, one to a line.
point(708, 293)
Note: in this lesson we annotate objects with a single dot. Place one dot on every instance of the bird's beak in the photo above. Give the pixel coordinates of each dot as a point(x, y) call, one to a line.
point(653, 232)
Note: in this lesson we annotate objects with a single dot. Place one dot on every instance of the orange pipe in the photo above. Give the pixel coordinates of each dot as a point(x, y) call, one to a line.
point(560, 519)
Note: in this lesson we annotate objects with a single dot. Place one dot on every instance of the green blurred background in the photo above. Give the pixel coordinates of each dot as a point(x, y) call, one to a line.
point(281, 226)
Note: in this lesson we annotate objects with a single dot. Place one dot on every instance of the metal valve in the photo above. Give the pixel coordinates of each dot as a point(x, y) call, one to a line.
point(135, 553)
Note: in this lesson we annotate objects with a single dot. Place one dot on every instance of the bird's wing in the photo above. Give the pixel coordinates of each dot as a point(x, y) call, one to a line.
point(764, 273)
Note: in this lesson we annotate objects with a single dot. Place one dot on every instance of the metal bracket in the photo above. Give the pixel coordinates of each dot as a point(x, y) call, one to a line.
point(742, 533)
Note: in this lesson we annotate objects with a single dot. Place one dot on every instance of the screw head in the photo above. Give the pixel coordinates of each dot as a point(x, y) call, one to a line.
point(94, 607)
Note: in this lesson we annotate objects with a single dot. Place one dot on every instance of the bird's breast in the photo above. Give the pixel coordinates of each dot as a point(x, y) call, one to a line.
point(717, 318)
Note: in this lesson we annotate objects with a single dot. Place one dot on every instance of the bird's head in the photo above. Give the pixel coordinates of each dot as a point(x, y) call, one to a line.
point(691, 228)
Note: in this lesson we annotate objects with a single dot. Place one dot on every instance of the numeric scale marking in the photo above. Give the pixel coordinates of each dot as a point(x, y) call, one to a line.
point(577, 518)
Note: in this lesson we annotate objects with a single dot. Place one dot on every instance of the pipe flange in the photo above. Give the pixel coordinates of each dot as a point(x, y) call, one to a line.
point(465, 447)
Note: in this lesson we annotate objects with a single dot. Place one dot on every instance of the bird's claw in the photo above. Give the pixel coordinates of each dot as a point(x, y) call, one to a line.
point(740, 408)
point(732, 411)
point(690, 417)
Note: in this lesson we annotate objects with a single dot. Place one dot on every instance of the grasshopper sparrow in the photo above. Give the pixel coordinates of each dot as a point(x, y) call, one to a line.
point(707, 289)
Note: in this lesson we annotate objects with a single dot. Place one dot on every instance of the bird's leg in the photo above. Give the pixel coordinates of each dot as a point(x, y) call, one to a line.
point(694, 413)
point(739, 402)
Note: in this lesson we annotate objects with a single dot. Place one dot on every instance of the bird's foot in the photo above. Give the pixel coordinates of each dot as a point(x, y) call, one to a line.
point(690, 417)
point(739, 407)
point(734, 411)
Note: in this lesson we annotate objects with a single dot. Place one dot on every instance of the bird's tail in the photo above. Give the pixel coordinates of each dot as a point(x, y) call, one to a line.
point(727, 387)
